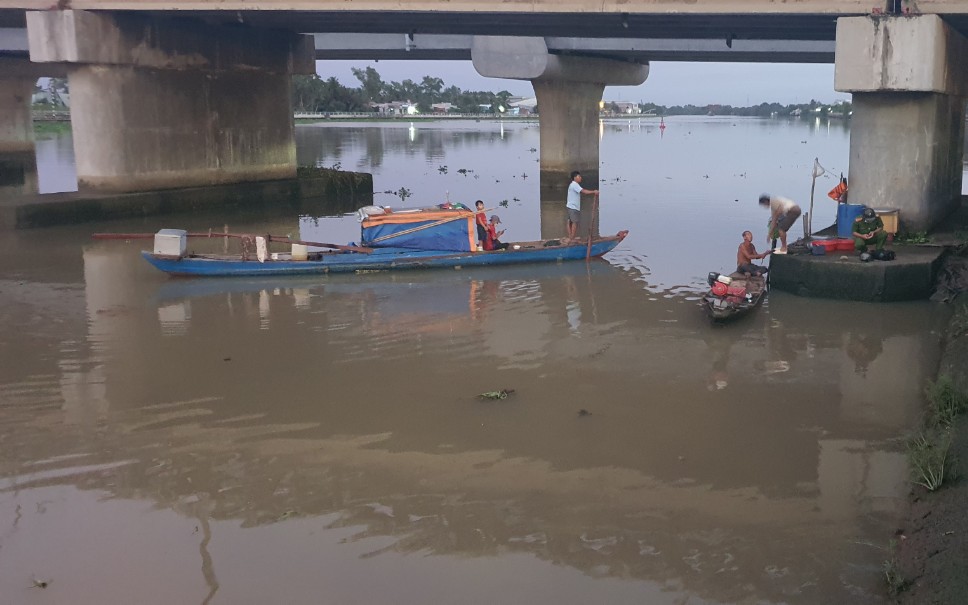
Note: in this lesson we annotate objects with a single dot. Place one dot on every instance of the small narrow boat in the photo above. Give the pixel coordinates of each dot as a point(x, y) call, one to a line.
point(412, 239)
point(733, 296)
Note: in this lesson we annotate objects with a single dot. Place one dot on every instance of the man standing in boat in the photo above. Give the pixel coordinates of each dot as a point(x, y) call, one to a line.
point(747, 254)
point(574, 203)
point(783, 215)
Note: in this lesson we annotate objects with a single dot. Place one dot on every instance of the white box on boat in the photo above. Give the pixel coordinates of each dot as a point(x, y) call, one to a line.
point(172, 242)
point(300, 252)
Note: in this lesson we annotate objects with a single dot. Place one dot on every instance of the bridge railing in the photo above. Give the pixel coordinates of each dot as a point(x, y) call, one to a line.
point(301, 115)
point(50, 115)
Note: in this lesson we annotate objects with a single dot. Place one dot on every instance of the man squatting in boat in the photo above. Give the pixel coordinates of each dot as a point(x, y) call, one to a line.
point(746, 254)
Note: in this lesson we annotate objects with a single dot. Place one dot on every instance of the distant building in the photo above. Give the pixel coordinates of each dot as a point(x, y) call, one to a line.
point(395, 108)
point(624, 107)
point(441, 107)
point(521, 106)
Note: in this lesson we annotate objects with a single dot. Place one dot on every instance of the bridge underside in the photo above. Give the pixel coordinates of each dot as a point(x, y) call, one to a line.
point(894, 65)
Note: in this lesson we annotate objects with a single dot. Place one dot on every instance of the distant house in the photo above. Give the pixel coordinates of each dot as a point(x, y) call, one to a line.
point(395, 108)
point(624, 107)
point(442, 107)
point(521, 106)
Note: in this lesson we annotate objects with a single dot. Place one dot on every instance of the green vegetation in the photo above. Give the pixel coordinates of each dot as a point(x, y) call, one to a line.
point(41, 128)
point(315, 95)
point(928, 454)
point(929, 451)
point(914, 237)
point(946, 401)
point(892, 574)
point(958, 325)
point(312, 94)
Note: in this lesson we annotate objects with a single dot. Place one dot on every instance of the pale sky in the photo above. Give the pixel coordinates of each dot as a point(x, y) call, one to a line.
point(669, 83)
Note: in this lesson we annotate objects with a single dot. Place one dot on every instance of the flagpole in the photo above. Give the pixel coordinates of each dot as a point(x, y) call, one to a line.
point(818, 170)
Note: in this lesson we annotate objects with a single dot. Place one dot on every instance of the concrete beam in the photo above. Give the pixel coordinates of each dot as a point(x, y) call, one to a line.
point(519, 58)
point(900, 53)
point(74, 36)
point(364, 46)
point(531, 6)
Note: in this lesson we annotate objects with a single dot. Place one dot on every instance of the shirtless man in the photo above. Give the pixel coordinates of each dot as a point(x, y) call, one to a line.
point(783, 215)
point(747, 254)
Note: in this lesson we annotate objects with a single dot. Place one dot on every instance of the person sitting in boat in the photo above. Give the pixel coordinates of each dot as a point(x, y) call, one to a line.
point(869, 229)
point(747, 254)
point(491, 242)
point(481, 219)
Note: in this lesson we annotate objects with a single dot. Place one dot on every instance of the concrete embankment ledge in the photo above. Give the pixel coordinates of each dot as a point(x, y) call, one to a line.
point(910, 276)
point(313, 190)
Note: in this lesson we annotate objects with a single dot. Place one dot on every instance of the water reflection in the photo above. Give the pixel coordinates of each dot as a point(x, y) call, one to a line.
point(18, 175)
point(354, 400)
point(233, 434)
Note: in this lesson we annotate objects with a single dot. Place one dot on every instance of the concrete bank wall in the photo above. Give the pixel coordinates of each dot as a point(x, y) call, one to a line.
point(314, 190)
point(843, 276)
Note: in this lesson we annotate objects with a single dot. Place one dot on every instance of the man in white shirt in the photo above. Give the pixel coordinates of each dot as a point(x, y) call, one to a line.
point(783, 215)
point(574, 203)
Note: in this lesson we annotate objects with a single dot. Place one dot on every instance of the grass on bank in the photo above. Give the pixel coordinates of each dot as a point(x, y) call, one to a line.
point(929, 452)
point(929, 456)
point(892, 571)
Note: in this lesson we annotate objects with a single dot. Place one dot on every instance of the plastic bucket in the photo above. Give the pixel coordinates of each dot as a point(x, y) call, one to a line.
point(846, 213)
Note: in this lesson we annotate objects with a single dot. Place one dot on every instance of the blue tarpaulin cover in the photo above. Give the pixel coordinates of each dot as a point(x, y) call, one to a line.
point(430, 229)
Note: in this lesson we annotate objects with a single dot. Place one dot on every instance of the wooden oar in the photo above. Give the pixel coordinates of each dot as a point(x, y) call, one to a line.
point(591, 223)
point(271, 238)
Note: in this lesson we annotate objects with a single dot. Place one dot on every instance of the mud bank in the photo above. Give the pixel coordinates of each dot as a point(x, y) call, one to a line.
point(932, 542)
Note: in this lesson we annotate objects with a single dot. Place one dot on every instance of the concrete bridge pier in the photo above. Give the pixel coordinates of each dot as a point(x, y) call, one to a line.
point(160, 105)
point(569, 92)
point(17, 79)
point(909, 79)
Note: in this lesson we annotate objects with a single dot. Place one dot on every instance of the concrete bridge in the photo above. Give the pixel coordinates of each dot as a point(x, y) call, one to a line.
point(175, 93)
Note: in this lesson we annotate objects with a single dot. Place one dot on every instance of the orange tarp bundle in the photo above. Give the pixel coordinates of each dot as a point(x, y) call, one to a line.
point(839, 193)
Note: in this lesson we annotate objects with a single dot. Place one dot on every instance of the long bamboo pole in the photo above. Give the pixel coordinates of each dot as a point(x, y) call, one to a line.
point(271, 238)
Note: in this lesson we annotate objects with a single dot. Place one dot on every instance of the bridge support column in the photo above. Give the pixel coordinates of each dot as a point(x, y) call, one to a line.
point(568, 115)
point(909, 79)
point(568, 89)
point(16, 88)
point(158, 105)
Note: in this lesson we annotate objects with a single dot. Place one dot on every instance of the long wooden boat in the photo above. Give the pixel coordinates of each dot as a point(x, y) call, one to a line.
point(727, 301)
point(380, 259)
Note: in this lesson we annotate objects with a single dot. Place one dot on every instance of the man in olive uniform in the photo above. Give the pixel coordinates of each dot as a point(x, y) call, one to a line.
point(869, 229)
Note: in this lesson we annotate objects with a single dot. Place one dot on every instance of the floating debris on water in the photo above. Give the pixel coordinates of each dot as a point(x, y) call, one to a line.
point(502, 394)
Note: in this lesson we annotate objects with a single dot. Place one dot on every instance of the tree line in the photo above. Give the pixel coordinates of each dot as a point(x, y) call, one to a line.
point(314, 95)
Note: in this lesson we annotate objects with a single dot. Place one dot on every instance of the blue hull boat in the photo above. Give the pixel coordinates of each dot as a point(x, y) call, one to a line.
point(381, 259)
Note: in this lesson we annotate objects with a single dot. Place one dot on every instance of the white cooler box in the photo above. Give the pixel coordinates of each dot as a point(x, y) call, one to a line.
point(171, 242)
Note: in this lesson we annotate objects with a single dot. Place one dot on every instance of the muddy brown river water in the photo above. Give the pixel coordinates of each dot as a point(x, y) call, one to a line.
point(321, 440)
